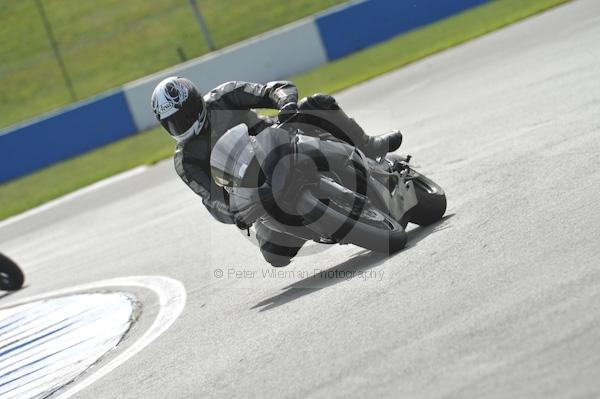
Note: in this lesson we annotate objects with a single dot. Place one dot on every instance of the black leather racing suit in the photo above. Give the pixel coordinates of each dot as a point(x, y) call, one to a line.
point(229, 105)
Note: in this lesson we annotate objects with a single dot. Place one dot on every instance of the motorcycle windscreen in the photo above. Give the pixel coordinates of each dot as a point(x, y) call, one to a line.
point(232, 160)
point(270, 147)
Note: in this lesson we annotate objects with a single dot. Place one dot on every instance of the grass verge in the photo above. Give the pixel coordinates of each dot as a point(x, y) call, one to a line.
point(151, 146)
point(105, 43)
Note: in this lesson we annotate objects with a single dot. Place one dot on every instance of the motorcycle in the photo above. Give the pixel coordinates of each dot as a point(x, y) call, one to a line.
point(11, 276)
point(298, 179)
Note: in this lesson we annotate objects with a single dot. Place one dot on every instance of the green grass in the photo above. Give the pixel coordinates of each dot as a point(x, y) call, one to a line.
point(153, 145)
point(106, 43)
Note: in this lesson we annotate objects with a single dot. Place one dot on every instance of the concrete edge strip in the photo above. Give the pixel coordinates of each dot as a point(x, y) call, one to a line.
point(75, 194)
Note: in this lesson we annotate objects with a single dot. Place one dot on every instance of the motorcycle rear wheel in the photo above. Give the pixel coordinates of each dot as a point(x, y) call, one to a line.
point(431, 201)
point(11, 276)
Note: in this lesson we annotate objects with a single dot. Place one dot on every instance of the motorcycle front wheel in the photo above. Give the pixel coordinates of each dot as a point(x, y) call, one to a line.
point(371, 229)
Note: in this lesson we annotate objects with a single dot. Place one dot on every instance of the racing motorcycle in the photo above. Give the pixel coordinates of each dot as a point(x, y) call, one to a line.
point(298, 179)
point(11, 276)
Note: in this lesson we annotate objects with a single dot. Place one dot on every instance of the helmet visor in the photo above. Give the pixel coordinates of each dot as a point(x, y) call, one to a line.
point(181, 121)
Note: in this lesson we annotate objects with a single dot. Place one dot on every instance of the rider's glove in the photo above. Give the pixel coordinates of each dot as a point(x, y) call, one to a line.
point(287, 111)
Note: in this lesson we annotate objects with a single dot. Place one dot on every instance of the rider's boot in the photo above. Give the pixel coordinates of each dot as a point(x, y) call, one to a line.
point(332, 118)
point(378, 146)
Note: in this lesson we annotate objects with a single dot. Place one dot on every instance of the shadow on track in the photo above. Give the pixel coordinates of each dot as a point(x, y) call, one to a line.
point(421, 232)
point(362, 261)
point(4, 294)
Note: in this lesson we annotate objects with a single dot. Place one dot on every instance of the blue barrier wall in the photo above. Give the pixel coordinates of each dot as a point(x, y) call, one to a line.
point(83, 127)
point(362, 24)
point(74, 130)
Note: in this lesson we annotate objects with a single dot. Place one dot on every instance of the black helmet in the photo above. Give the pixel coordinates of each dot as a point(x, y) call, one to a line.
point(179, 107)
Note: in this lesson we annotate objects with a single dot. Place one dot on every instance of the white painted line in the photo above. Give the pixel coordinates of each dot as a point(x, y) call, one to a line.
point(171, 297)
point(75, 194)
point(51, 342)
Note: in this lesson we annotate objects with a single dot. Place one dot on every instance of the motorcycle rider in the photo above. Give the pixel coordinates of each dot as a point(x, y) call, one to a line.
point(196, 122)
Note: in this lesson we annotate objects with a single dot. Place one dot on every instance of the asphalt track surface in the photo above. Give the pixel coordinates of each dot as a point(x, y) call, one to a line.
point(499, 300)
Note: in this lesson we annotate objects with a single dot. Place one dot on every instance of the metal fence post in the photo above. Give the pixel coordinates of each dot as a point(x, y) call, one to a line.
point(202, 24)
point(56, 50)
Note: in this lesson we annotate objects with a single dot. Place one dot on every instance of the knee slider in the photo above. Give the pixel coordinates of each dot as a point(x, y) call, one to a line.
point(276, 255)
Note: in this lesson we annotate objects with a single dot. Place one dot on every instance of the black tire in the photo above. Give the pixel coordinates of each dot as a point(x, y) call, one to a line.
point(431, 201)
point(11, 276)
point(380, 233)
